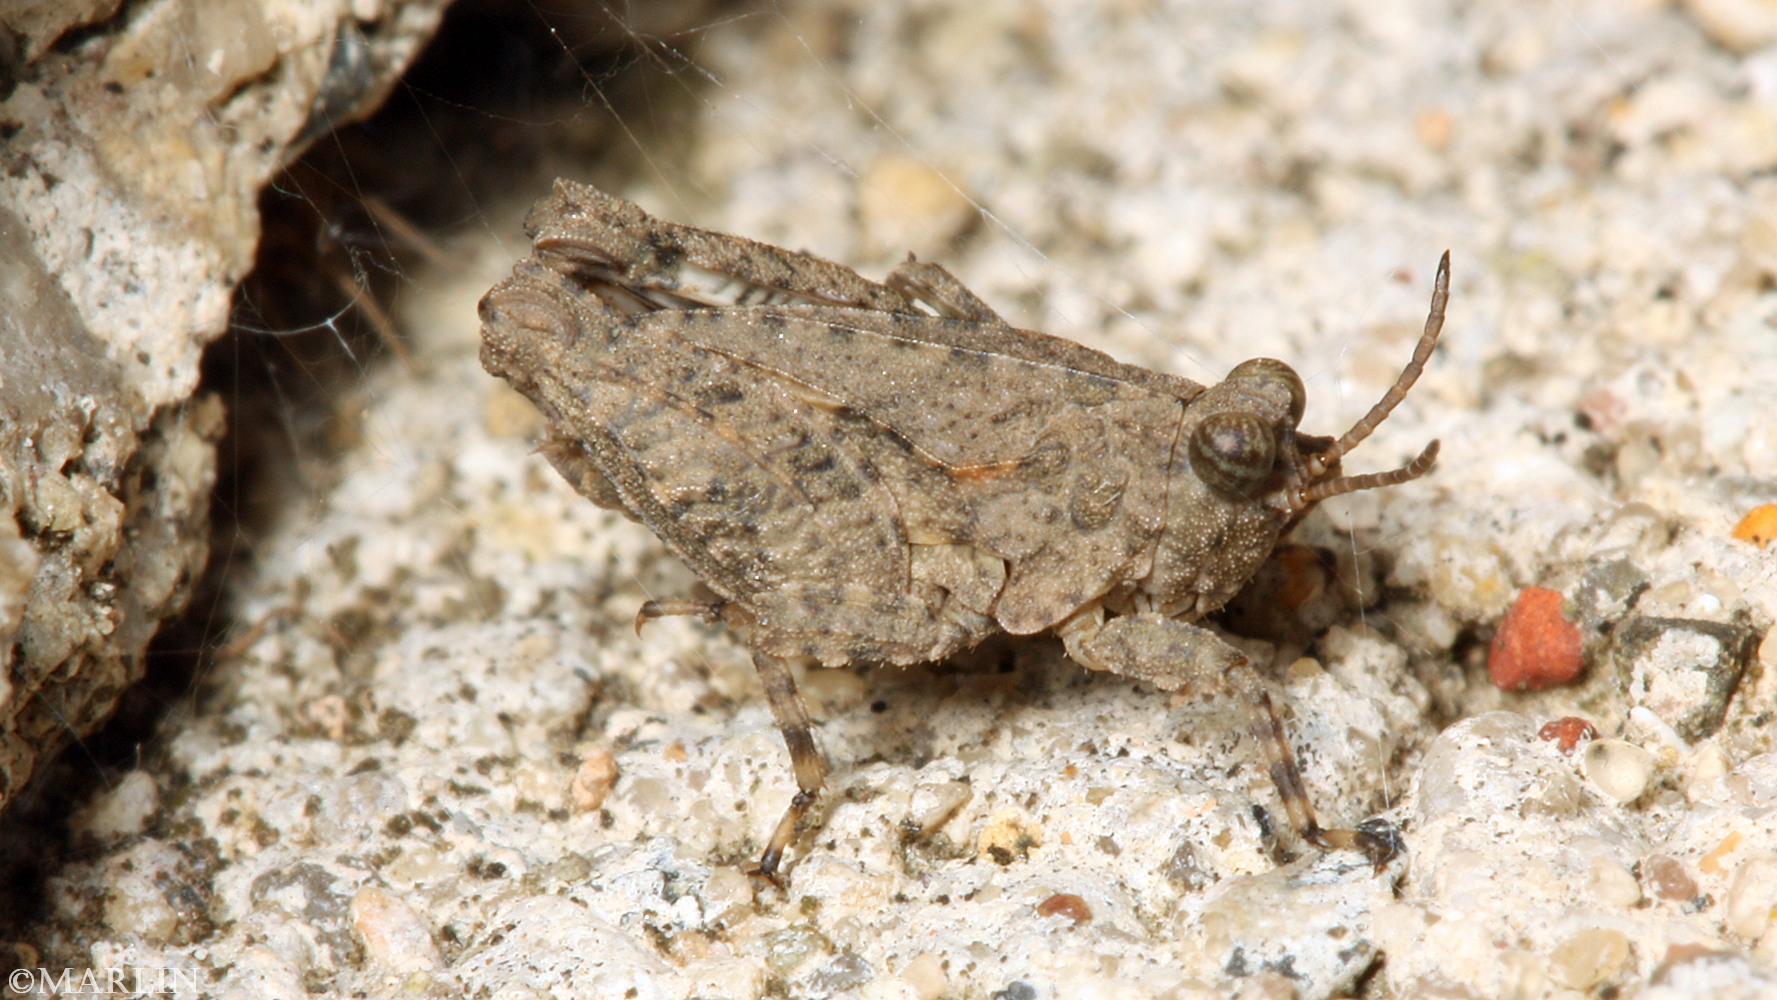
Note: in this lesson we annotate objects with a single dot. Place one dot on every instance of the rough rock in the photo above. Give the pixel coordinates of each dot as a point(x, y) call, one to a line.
point(134, 148)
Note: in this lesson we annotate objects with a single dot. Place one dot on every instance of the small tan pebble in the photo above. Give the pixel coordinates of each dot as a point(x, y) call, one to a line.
point(905, 203)
point(1588, 958)
point(1568, 733)
point(1468, 575)
point(788, 948)
point(1707, 765)
point(1710, 864)
point(1068, 905)
point(1434, 127)
point(689, 946)
point(1304, 668)
point(1752, 898)
point(675, 753)
point(594, 780)
point(924, 975)
point(1603, 410)
point(1739, 26)
point(1618, 768)
point(1667, 878)
point(133, 907)
point(138, 895)
point(395, 939)
point(726, 894)
point(1008, 836)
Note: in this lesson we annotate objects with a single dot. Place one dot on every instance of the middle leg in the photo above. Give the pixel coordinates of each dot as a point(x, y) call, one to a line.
point(805, 758)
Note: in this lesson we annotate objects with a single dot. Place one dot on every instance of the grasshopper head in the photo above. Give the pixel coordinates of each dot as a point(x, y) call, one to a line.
point(1247, 475)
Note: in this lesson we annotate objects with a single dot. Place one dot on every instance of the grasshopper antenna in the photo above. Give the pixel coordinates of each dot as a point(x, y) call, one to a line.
point(1318, 465)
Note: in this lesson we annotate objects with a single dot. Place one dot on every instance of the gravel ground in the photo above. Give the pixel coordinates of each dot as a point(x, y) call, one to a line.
point(444, 763)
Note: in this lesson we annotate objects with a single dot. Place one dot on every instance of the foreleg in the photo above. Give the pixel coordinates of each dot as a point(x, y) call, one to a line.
point(1171, 655)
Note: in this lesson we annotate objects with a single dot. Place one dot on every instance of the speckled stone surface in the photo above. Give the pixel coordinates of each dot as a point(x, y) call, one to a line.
point(133, 147)
point(446, 764)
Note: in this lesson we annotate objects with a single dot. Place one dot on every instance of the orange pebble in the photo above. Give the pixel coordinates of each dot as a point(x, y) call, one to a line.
point(1759, 525)
point(1535, 647)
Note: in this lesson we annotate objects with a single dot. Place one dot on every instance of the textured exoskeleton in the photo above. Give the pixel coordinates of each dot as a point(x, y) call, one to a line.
point(891, 472)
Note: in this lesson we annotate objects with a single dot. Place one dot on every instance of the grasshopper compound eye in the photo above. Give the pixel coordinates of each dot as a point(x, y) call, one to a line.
point(1234, 452)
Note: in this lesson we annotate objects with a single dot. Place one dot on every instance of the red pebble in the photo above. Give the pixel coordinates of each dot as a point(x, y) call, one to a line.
point(1568, 733)
point(1068, 905)
point(1535, 647)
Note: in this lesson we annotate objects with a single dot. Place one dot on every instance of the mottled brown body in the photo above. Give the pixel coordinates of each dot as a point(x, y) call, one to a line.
point(891, 473)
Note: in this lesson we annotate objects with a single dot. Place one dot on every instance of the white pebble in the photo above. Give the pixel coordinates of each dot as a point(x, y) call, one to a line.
point(933, 804)
point(1613, 884)
point(124, 810)
point(1618, 768)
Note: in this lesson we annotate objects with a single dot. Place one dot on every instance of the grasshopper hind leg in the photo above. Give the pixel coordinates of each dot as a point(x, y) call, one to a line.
point(806, 760)
point(787, 708)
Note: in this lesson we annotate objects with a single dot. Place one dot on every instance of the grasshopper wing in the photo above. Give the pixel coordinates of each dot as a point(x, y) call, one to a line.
point(796, 452)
